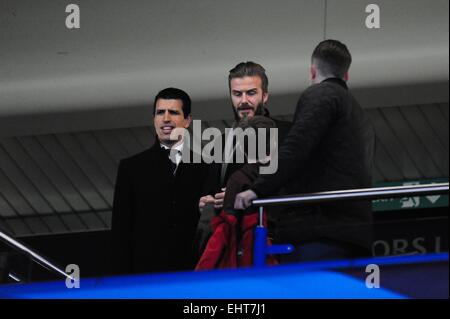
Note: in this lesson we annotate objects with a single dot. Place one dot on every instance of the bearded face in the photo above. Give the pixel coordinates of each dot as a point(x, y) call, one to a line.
point(247, 96)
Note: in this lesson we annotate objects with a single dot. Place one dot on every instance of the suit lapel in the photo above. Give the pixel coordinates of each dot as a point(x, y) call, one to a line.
point(159, 162)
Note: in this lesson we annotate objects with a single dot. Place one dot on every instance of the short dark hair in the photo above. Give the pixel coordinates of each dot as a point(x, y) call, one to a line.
point(249, 68)
point(256, 122)
point(174, 94)
point(332, 58)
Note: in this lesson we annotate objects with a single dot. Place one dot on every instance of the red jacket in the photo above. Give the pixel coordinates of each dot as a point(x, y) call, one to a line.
point(223, 249)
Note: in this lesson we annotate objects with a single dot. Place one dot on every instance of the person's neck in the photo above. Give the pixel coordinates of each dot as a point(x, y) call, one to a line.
point(171, 145)
point(321, 78)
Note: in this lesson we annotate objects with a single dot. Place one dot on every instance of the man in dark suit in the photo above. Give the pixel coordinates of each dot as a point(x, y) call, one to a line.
point(155, 210)
point(330, 147)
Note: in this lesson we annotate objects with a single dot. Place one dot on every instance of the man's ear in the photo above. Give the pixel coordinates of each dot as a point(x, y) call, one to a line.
point(313, 72)
point(188, 121)
point(346, 77)
point(265, 97)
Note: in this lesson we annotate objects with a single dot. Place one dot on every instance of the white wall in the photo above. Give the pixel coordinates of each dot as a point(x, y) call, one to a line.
point(54, 79)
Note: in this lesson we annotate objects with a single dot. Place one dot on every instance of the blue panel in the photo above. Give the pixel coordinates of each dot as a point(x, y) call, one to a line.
point(309, 280)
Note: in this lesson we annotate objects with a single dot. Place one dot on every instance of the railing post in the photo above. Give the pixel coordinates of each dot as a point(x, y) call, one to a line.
point(259, 250)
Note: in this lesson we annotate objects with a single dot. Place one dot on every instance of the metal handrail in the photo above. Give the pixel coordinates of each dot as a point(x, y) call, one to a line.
point(261, 249)
point(356, 194)
point(35, 256)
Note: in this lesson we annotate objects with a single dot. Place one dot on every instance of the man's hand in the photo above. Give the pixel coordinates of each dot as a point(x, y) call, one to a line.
point(218, 199)
point(244, 199)
point(205, 200)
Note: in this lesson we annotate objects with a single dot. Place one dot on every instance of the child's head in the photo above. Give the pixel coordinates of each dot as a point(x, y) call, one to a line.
point(254, 123)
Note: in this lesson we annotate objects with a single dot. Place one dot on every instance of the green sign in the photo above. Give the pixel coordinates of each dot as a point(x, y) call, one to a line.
point(415, 202)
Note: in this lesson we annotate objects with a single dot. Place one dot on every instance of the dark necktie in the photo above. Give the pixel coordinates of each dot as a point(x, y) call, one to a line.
point(171, 158)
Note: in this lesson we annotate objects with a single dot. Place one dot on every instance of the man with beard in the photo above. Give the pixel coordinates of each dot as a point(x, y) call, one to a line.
point(248, 86)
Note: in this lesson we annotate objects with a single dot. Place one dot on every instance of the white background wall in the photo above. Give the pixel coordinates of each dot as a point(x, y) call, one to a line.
point(105, 74)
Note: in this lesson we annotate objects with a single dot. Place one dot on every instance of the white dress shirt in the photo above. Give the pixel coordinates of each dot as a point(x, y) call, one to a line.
point(178, 154)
